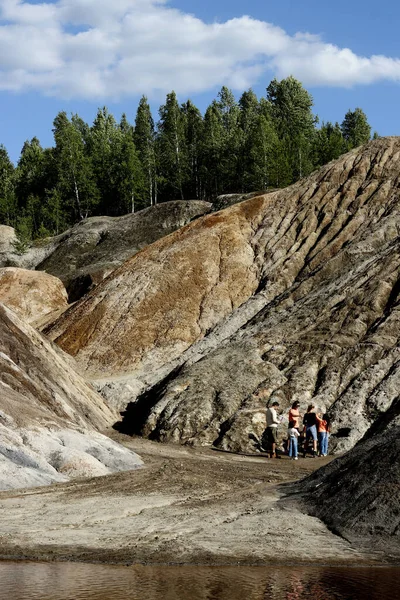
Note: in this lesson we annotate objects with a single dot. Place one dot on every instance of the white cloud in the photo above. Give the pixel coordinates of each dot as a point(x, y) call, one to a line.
point(112, 48)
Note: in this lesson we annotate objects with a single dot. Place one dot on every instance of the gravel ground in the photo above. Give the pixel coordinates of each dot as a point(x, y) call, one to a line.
point(187, 506)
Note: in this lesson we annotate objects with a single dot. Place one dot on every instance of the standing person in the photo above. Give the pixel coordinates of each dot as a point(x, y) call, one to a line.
point(310, 422)
point(294, 414)
point(324, 426)
point(272, 428)
point(293, 434)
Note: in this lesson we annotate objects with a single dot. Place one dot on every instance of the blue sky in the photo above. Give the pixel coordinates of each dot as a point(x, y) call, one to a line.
point(77, 55)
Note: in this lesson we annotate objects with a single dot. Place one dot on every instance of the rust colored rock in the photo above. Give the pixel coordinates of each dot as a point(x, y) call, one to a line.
point(166, 297)
point(296, 291)
point(94, 248)
point(85, 254)
point(31, 294)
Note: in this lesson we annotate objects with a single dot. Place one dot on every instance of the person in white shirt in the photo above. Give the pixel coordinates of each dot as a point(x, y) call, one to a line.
point(293, 434)
point(272, 428)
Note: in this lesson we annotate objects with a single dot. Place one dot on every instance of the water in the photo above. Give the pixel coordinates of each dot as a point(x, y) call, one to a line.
point(72, 581)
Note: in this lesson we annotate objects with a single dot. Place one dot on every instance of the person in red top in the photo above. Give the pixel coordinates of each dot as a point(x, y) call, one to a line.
point(294, 414)
point(323, 433)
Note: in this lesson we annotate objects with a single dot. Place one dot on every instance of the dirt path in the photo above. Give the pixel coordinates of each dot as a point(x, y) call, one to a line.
point(187, 506)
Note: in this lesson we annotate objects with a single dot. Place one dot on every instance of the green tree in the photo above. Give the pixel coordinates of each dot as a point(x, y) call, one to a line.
point(75, 174)
point(193, 122)
point(103, 147)
point(8, 203)
point(328, 143)
point(172, 155)
point(231, 141)
point(29, 173)
point(127, 173)
point(355, 128)
point(144, 138)
point(267, 166)
point(249, 132)
point(211, 151)
point(291, 110)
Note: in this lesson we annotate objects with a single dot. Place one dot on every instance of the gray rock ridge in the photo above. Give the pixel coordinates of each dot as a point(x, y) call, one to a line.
point(307, 306)
point(226, 200)
point(357, 495)
point(49, 416)
point(98, 245)
point(82, 256)
point(7, 240)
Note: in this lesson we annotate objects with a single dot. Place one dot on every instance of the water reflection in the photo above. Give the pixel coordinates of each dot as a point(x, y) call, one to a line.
point(70, 581)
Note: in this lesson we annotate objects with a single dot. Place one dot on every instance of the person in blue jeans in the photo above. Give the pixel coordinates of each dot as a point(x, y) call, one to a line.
point(324, 427)
point(293, 434)
point(310, 422)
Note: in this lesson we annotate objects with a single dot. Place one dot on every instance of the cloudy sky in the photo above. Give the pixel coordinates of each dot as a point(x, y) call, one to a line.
point(76, 55)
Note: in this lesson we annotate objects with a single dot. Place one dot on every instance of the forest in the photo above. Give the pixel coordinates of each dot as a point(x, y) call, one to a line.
point(112, 168)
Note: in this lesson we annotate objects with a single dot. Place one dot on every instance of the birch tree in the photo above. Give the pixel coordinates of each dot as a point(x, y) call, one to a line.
point(75, 174)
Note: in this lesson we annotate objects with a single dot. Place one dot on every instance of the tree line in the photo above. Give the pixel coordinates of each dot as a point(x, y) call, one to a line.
point(111, 168)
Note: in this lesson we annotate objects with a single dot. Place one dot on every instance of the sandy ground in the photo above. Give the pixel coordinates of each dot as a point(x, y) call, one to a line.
point(187, 506)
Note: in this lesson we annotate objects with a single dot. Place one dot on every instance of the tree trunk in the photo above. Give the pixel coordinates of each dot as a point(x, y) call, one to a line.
point(150, 186)
point(77, 199)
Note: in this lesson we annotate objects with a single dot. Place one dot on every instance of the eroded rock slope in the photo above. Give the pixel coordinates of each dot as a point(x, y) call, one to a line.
point(49, 415)
point(32, 295)
point(82, 256)
point(296, 291)
point(359, 493)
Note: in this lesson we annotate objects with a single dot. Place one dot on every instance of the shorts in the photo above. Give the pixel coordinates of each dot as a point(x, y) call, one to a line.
point(311, 432)
point(272, 435)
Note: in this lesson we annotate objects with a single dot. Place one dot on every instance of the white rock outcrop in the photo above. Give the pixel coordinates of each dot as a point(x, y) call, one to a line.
point(49, 417)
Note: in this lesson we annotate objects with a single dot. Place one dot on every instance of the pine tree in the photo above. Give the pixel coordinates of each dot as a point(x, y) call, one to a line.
point(127, 173)
point(111, 168)
point(328, 143)
point(249, 129)
point(291, 109)
point(193, 137)
point(144, 138)
point(8, 203)
point(266, 165)
point(173, 157)
point(29, 172)
point(355, 128)
point(231, 141)
point(211, 151)
point(103, 144)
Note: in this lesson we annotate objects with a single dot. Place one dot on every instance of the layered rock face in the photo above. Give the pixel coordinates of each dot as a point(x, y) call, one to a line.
point(358, 494)
point(296, 291)
point(95, 247)
point(82, 256)
point(49, 415)
point(30, 294)
point(166, 297)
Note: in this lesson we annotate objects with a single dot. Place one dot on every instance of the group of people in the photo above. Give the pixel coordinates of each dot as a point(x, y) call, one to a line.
point(315, 429)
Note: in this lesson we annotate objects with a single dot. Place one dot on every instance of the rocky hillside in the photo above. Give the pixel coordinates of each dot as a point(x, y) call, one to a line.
point(296, 291)
point(358, 494)
point(32, 295)
point(49, 415)
point(82, 256)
